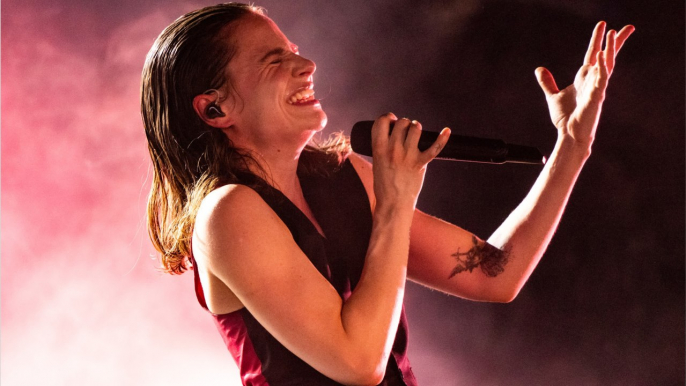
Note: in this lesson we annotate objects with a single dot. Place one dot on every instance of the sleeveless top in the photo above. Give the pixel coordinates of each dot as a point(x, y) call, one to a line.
point(341, 206)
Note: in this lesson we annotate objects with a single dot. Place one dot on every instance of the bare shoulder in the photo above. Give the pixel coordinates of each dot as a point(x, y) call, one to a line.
point(366, 174)
point(231, 219)
point(229, 203)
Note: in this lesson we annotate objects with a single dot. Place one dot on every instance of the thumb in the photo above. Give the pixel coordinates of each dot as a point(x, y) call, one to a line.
point(546, 81)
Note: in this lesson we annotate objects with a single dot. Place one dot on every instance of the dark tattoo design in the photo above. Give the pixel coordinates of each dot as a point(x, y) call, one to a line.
point(491, 259)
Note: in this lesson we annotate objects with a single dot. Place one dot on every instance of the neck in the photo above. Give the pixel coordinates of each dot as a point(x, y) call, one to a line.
point(280, 167)
point(279, 162)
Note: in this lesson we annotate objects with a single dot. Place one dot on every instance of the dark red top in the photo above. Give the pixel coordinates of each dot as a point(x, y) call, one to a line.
point(341, 207)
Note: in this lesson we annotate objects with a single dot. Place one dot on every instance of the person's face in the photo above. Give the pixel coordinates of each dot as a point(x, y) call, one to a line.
point(274, 97)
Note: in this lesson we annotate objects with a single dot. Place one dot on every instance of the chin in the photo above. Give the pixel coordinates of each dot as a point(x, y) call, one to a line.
point(318, 122)
point(323, 121)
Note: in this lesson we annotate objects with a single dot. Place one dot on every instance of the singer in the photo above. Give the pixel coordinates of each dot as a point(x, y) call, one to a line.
point(300, 251)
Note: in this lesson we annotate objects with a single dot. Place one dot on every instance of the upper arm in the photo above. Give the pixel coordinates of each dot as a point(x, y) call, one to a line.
point(245, 244)
point(450, 259)
point(444, 256)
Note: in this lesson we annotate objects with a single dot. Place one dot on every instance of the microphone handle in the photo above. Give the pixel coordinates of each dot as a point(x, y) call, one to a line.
point(458, 148)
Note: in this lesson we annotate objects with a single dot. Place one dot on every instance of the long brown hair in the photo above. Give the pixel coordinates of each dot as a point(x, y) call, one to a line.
point(189, 157)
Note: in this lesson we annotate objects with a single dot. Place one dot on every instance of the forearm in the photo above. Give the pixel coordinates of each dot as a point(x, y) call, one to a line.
point(370, 316)
point(527, 231)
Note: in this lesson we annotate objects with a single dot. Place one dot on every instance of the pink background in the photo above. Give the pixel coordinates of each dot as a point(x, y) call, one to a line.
point(83, 303)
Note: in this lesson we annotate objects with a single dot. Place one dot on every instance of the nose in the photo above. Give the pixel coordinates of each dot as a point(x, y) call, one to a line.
point(304, 67)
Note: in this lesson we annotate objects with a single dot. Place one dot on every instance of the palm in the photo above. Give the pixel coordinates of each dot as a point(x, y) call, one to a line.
point(575, 110)
point(577, 106)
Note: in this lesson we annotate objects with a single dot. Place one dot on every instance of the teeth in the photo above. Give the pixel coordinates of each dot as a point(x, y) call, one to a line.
point(301, 96)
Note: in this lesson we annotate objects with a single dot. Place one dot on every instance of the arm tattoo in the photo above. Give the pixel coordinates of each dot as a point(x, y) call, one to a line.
point(491, 259)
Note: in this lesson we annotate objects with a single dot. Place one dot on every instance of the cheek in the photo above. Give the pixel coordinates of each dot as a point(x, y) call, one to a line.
point(262, 94)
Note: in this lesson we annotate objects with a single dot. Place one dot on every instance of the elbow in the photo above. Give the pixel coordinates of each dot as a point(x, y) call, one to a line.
point(505, 296)
point(366, 371)
point(497, 294)
point(372, 375)
point(370, 379)
point(505, 299)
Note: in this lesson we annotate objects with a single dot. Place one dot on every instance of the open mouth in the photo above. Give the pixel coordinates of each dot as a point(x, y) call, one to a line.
point(302, 96)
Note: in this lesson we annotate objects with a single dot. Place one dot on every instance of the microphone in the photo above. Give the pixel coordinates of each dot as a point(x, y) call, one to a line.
point(458, 148)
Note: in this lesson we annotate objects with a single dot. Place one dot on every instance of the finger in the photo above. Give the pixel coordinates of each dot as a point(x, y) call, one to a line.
point(380, 131)
point(610, 50)
point(595, 44)
point(546, 81)
point(413, 134)
point(399, 132)
point(603, 74)
point(623, 34)
point(435, 149)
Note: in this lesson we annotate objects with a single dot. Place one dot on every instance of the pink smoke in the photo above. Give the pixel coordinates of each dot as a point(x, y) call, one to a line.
point(82, 302)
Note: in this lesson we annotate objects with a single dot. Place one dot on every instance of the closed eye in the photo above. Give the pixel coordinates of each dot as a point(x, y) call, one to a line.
point(276, 54)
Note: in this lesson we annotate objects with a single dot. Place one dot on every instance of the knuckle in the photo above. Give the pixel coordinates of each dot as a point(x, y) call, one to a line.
point(388, 116)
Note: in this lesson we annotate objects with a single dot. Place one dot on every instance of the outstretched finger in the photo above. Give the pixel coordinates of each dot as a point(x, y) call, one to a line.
point(623, 34)
point(610, 50)
point(596, 43)
point(603, 73)
point(433, 151)
point(546, 81)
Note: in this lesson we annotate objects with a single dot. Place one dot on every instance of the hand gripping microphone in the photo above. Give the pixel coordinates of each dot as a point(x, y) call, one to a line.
point(458, 148)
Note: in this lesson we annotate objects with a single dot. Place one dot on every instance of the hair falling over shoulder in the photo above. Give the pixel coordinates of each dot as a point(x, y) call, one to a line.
point(189, 157)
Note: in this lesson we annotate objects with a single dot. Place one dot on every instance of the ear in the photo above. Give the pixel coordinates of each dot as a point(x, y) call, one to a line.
point(207, 108)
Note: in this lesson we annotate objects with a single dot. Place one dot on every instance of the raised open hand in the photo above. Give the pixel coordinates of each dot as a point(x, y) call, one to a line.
point(575, 110)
